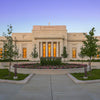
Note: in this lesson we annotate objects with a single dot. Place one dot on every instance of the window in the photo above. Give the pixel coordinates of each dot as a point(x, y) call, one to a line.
point(24, 52)
point(49, 49)
point(54, 49)
point(0, 52)
point(73, 52)
point(98, 56)
point(44, 49)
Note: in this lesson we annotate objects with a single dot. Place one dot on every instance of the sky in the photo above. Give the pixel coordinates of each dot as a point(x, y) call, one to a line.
point(77, 15)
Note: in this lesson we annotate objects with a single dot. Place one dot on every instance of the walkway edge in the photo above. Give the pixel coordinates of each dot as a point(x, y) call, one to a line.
point(18, 82)
point(80, 81)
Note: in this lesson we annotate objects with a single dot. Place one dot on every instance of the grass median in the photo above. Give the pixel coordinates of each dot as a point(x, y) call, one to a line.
point(93, 75)
point(4, 74)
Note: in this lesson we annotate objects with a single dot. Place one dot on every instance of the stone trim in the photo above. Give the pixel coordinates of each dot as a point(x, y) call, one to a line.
point(75, 40)
point(47, 38)
point(24, 41)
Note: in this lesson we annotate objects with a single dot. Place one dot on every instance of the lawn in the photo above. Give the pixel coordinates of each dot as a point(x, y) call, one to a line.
point(93, 75)
point(4, 75)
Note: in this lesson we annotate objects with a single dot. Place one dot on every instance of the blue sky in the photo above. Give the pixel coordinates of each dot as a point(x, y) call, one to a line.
point(77, 15)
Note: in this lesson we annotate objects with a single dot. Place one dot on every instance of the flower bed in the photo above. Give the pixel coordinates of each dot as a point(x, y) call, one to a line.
point(38, 66)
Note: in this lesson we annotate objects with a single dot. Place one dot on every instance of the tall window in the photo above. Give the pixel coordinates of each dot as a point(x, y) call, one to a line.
point(49, 49)
point(98, 56)
point(73, 52)
point(44, 49)
point(24, 52)
point(0, 52)
point(54, 49)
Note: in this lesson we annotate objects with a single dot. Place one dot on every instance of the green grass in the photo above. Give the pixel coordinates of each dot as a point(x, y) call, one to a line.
point(93, 75)
point(4, 74)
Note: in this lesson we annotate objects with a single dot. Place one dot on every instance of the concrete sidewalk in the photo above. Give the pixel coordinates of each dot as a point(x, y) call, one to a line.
point(49, 87)
point(49, 71)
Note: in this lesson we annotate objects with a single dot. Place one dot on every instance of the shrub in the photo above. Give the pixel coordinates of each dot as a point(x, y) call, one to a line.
point(93, 60)
point(50, 61)
point(7, 60)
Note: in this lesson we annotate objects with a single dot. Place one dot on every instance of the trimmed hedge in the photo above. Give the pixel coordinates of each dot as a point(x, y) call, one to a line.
point(50, 61)
point(7, 60)
point(93, 60)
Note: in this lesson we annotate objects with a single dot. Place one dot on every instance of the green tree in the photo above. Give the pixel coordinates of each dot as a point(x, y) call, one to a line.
point(64, 55)
point(17, 55)
point(34, 53)
point(82, 55)
point(90, 46)
point(8, 48)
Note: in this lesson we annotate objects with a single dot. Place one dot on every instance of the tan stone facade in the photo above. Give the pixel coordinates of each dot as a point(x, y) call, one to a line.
point(49, 41)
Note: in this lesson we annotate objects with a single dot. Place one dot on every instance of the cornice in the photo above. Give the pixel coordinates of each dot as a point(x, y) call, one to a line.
point(48, 38)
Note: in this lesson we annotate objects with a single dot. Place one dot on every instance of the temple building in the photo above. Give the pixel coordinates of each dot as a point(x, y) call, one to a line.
point(49, 41)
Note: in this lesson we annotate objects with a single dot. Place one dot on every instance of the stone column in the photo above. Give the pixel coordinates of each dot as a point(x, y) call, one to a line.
point(37, 47)
point(61, 47)
point(57, 49)
point(51, 49)
point(21, 51)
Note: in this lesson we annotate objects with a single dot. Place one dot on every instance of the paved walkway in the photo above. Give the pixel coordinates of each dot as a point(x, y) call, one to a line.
point(50, 87)
point(49, 71)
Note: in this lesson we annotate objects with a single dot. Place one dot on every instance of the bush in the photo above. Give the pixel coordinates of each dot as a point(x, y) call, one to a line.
point(93, 60)
point(7, 60)
point(50, 61)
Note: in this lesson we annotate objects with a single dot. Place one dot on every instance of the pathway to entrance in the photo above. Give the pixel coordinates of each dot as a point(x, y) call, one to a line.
point(50, 87)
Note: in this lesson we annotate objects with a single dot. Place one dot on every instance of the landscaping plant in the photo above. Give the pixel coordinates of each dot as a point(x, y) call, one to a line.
point(9, 51)
point(34, 53)
point(90, 46)
point(64, 55)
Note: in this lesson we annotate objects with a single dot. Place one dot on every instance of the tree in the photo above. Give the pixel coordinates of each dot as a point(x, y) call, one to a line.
point(82, 55)
point(34, 53)
point(17, 55)
point(90, 45)
point(8, 48)
point(64, 55)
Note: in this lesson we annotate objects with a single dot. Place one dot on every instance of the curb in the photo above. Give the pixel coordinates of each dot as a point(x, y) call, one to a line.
point(18, 82)
point(80, 81)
